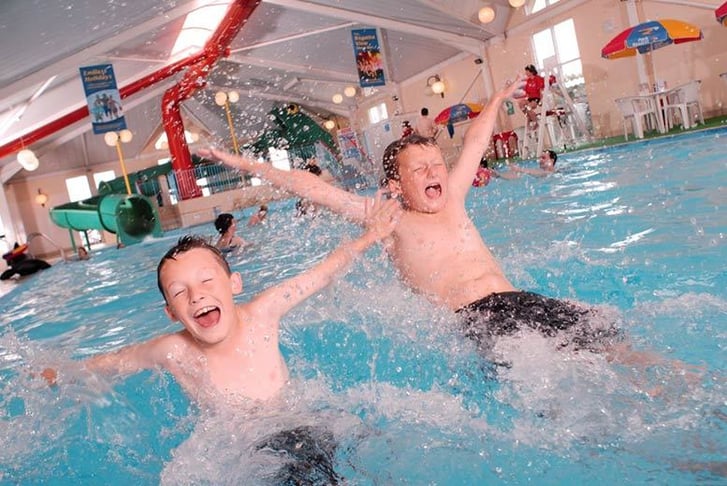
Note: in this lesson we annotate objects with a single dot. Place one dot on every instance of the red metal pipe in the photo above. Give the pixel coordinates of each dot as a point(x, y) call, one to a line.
point(81, 113)
point(193, 80)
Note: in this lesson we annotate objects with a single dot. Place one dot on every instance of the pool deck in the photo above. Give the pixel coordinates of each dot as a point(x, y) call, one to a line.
point(709, 124)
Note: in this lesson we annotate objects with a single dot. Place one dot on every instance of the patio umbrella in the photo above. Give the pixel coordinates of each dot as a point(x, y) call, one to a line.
point(650, 36)
point(457, 113)
point(721, 14)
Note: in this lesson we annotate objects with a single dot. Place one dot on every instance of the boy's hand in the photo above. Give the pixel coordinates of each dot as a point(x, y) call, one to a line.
point(382, 217)
point(510, 89)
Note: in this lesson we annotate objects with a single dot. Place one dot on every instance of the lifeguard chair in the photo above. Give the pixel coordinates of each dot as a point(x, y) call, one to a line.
point(557, 113)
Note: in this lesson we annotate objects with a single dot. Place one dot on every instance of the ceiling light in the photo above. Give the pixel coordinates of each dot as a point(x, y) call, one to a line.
point(27, 159)
point(350, 91)
point(516, 3)
point(436, 84)
point(337, 98)
point(125, 136)
point(41, 198)
point(486, 15)
point(329, 124)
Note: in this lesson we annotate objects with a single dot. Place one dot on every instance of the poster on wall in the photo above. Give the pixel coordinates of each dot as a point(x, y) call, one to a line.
point(103, 98)
point(348, 143)
point(369, 60)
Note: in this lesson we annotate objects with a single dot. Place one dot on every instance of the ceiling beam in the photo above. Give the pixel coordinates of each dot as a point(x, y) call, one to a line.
point(459, 41)
point(292, 37)
point(289, 68)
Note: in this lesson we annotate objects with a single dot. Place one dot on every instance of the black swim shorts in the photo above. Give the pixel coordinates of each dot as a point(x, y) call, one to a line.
point(309, 456)
point(504, 313)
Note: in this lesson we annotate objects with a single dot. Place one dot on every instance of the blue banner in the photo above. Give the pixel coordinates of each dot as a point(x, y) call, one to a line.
point(103, 98)
point(369, 61)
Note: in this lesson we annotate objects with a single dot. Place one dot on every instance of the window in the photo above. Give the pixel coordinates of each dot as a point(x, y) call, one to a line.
point(378, 113)
point(540, 5)
point(556, 52)
point(78, 188)
point(556, 48)
point(99, 177)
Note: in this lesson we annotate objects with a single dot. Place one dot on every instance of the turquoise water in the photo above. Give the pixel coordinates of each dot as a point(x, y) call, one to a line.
point(637, 230)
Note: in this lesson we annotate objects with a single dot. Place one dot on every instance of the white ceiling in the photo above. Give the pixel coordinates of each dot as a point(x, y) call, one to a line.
point(288, 51)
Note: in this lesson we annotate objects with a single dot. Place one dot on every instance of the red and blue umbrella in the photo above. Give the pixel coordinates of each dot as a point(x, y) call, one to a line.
point(649, 36)
point(457, 113)
point(721, 14)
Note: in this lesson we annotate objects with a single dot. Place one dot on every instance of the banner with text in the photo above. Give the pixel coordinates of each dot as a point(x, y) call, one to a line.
point(103, 98)
point(369, 60)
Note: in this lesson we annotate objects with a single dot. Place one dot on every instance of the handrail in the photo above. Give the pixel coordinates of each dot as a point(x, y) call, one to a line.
point(32, 236)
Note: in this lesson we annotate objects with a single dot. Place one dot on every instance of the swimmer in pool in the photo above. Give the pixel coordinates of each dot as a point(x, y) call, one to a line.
point(226, 226)
point(229, 352)
point(546, 166)
point(258, 217)
point(436, 247)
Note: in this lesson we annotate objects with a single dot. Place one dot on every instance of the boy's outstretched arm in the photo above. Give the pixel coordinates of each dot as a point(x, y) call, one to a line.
point(299, 182)
point(476, 141)
point(125, 361)
point(276, 301)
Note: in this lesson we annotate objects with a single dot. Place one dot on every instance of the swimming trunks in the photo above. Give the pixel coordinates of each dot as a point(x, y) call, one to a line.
point(308, 452)
point(504, 313)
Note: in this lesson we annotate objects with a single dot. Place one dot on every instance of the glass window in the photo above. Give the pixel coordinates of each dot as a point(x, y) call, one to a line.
point(557, 53)
point(378, 113)
point(78, 188)
point(99, 177)
point(538, 5)
point(556, 49)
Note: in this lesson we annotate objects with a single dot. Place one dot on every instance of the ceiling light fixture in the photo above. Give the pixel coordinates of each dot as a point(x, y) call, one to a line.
point(350, 91)
point(486, 14)
point(224, 98)
point(516, 3)
point(337, 98)
point(27, 159)
point(436, 84)
point(115, 139)
point(41, 198)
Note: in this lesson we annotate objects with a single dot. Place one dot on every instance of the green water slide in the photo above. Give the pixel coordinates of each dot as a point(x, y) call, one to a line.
point(131, 217)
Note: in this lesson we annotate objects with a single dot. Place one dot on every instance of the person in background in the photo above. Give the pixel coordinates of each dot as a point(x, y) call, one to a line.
point(424, 125)
point(483, 174)
point(546, 166)
point(534, 86)
point(406, 129)
point(83, 253)
point(259, 216)
point(226, 227)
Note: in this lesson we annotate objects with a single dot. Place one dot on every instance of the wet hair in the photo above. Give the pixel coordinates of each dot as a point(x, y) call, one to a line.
point(531, 69)
point(553, 156)
point(425, 111)
point(313, 168)
point(186, 243)
point(391, 154)
point(223, 222)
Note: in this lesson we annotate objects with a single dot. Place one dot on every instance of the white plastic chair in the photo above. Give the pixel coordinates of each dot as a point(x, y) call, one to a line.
point(680, 99)
point(645, 111)
point(627, 111)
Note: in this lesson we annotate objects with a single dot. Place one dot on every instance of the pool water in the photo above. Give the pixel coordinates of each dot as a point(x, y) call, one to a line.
point(637, 230)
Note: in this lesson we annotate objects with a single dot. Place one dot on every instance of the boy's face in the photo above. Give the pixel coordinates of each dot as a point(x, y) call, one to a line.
point(199, 295)
point(545, 161)
point(422, 179)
